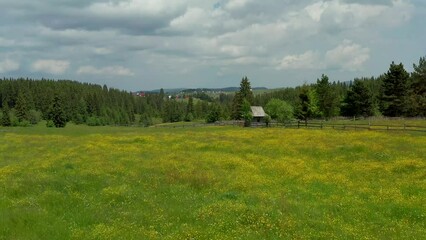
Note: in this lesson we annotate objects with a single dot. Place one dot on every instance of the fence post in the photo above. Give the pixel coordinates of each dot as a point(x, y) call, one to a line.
point(298, 124)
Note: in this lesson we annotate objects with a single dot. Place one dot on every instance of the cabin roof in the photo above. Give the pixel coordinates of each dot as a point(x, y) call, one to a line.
point(258, 111)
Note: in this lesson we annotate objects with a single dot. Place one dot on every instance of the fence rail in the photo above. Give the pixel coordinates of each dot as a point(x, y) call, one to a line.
point(353, 126)
point(309, 125)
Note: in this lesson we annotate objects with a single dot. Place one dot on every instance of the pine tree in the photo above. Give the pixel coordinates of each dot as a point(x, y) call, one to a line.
point(56, 113)
point(5, 119)
point(236, 106)
point(246, 113)
point(327, 98)
point(189, 115)
point(394, 91)
point(245, 90)
point(308, 104)
point(417, 89)
point(21, 108)
point(245, 93)
point(358, 101)
point(214, 113)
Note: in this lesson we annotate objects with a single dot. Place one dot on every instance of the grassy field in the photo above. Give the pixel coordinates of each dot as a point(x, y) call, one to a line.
point(211, 183)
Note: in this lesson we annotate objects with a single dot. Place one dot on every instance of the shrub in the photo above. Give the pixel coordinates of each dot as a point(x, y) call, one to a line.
point(34, 117)
point(93, 121)
point(279, 110)
point(146, 120)
point(50, 124)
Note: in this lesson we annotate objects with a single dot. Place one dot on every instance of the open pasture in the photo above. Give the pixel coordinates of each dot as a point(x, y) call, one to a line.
point(211, 183)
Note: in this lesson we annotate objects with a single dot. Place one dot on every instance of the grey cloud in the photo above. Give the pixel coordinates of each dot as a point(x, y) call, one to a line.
point(370, 2)
point(177, 43)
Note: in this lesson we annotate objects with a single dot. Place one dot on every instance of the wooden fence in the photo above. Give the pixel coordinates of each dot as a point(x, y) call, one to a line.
point(350, 126)
point(309, 125)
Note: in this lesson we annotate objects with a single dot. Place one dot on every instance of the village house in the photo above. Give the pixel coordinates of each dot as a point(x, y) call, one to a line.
point(258, 114)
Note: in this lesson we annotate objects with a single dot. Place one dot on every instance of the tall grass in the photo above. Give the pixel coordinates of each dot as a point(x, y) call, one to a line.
point(211, 183)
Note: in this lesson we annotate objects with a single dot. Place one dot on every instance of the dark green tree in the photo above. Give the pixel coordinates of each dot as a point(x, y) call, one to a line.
point(245, 93)
point(245, 90)
point(307, 107)
point(81, 113)
point(146, 120)
point(394, 91)
point(328, 101)
point(236, 106)
point(358, 101)
point(189, 114)
point(57, 114)
point(173, 111)
point(246, 113)
point(22, 110)
point(5, 119)
point(214, 113)
point(417, 89)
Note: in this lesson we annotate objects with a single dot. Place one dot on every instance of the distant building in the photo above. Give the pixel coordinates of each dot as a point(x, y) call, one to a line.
point(258, 114)
point(138, 94)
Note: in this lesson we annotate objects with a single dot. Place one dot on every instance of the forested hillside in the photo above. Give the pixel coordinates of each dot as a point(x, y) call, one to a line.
point(395, 93)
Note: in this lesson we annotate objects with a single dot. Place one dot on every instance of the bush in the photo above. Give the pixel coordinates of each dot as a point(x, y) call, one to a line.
point(279, 110)
point(34, 117)
point(24, 123)
point(78, 119)
point(146, 120)
point(5, 118)
point(188, 117)
point(93, 121)
point(267, 120)
point(50, 124)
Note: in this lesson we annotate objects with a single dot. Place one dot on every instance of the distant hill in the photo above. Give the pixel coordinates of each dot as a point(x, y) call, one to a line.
point(192, 90)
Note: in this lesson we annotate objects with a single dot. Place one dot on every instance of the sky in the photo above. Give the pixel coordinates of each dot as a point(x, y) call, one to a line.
point(151, 44)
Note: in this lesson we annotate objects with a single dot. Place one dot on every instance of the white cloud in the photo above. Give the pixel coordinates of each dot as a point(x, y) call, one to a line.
point(8, 66)
point(316, 10)
point(158, 39)
point(347, 56)
point(307, 60)
point(193, 18)
point(236, 4)
point(51, 66)
point(102, 51)
point(337, 15)
point(136, 7)
point(111, 70)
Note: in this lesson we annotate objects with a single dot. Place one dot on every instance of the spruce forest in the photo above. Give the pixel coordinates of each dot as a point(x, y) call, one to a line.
point(396, 93)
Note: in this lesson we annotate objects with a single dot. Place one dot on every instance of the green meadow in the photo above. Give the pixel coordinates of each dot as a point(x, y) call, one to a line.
point(211, 183)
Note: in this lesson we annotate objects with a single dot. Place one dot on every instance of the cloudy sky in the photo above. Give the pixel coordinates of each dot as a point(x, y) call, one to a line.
point(149, 44)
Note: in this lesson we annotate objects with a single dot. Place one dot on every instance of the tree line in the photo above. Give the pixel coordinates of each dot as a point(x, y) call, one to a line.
point(395, 93)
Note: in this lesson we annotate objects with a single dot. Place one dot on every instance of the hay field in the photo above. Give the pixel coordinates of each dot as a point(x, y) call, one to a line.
point(211, 183)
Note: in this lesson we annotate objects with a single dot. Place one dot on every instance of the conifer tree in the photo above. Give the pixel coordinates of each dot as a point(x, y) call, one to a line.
point(5, 119)
point(308, 104)
point(245, 93)
point(57, 115)
point(189, 115)
point(394, 91)
point(21, 108)
point(236, 106)
point(417, 89)
point(327, 98)
point(358, 101)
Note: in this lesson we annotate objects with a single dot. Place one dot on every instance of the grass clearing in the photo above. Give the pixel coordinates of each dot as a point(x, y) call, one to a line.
point(211, 183)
